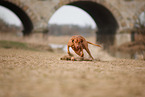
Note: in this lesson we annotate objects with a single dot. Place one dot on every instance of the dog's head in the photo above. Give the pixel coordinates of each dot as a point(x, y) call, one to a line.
point(77, 42)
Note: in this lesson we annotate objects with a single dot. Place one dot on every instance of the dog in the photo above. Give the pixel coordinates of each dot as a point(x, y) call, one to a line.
point(78, 43)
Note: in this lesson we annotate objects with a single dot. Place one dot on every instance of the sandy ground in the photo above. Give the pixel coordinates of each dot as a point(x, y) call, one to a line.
point(25, 73)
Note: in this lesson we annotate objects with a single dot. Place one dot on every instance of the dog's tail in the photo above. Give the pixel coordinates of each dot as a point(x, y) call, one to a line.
point(94, 44)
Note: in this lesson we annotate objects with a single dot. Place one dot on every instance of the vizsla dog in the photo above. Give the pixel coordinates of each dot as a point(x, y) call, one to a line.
point(78, 43)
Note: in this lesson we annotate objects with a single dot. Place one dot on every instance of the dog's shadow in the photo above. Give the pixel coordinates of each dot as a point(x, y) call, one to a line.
point(72, 58)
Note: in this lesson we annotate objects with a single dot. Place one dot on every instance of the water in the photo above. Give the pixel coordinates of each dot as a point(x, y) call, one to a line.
point(59, 46)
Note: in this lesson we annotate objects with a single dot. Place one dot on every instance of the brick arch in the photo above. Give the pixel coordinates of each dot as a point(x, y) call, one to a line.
point(23, 12)
point(105, 15)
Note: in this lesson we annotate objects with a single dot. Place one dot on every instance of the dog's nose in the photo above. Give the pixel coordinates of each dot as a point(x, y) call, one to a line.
point(77, 47)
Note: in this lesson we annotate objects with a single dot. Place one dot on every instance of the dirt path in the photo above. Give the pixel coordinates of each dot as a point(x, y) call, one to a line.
point(26, 73)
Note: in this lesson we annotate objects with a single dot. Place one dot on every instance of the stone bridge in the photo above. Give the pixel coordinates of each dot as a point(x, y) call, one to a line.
point(111, 16)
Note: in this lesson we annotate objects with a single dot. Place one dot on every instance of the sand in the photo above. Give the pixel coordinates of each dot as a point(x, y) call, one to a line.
point(27, 73)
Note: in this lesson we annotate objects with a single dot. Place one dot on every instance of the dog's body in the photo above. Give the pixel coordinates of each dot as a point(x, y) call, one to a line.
point(78, 43)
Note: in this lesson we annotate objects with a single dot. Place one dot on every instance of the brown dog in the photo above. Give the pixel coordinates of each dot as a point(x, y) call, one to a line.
point(78, 43)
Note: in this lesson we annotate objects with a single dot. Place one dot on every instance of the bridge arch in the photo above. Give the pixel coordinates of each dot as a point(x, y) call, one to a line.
point(104, 18)
point(25, 19)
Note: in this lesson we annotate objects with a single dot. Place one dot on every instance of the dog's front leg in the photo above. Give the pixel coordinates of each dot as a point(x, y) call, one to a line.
point(69, 51)
point(82, 53)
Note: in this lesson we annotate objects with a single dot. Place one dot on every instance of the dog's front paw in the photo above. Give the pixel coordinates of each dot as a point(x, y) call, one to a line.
point(70, 54)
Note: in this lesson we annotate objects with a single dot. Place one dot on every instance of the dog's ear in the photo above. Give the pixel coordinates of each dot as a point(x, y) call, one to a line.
point(81, 40)
point(72, 40)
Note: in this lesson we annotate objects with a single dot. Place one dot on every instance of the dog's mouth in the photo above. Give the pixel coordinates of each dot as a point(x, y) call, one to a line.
point(78, 49)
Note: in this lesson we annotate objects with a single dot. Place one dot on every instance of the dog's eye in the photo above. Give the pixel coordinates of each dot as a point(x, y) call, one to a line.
point(81, 40)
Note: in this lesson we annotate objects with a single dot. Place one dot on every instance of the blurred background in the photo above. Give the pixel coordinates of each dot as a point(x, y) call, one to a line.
point(33, 43)
point(119, 26)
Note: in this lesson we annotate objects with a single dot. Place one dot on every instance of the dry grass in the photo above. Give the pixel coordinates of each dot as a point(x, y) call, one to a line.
point(25, 73)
